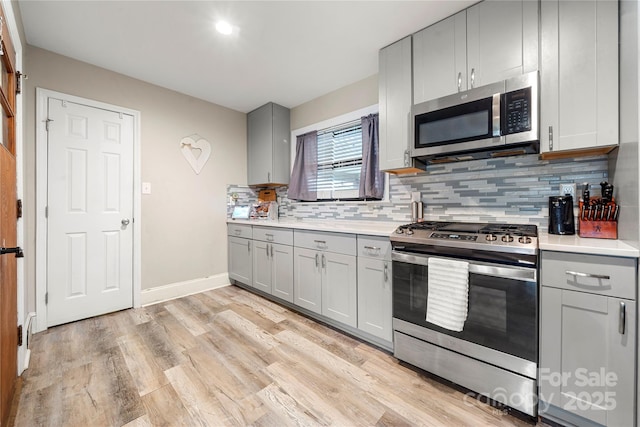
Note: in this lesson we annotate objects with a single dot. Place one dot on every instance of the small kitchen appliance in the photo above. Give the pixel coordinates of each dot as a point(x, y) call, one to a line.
point(561, 219)
point(496, 352)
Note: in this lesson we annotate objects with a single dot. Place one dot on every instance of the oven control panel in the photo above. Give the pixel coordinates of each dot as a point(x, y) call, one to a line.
point(451, 236)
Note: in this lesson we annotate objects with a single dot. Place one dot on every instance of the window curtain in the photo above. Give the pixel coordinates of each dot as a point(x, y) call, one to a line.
point(371, 179)
point(304, 176)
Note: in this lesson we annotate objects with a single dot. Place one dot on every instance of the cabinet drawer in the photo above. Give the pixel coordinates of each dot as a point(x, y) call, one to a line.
point(276, 235)
point(603, 275)
point(331, 242)
point(239, 230)
point(374, 247)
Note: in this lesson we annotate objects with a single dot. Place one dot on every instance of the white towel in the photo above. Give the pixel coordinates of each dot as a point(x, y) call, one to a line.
point(448, 297)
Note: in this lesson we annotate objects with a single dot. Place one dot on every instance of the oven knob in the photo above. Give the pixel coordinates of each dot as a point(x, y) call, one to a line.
point(524, 239)
point(491, 237)
point(507, 238)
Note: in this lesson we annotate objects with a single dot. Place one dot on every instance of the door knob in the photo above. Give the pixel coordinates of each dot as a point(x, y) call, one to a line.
point(17, 251)
point(125, 222)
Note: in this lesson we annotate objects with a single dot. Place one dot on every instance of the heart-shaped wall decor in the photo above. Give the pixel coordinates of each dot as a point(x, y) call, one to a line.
point(188, 147)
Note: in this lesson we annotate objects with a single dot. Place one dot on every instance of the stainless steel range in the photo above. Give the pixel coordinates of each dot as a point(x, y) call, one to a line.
point(495, 351)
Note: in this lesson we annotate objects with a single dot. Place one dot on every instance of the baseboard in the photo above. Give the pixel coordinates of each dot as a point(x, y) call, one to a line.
point(182, 289)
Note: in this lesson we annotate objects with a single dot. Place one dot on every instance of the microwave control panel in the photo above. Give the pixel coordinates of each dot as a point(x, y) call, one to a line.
point(516, 111)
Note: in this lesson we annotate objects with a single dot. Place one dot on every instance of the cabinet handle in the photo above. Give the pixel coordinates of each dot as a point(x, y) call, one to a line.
point(268, 176)
point(237, 231)
point(593, 276)
point(267, 248)
point(316, 260)
point(372, 248)
point(269, 237)
point(459, 81)
point(324, 262)
point(473, 77)
point(271, 251)
point(249, 245)
point(550, 138)
point(386, 272)
point(321, 243)
point(622, 321)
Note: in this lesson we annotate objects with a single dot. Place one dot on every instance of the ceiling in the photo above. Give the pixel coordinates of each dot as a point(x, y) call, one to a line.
point(288, 52)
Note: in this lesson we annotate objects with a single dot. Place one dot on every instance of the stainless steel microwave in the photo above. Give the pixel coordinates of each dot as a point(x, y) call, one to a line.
point(493, 120)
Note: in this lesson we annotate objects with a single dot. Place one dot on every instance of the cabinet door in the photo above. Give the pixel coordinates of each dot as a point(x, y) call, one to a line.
point(579, 75)
point(374, 297)
point(259, 144)
point(394, 102)
point(262, 266)
point(282, 264)
point(587, 359)
point(440, 59)
point(502, 40)
point(281, 153)
point(307, 285)
point(339, 288)
point(240, 263)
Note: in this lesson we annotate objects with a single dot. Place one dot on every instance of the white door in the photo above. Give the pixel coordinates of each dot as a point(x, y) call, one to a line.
point(90, 211)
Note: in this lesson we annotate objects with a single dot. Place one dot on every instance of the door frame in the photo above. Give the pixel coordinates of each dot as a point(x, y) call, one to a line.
point(42, 98)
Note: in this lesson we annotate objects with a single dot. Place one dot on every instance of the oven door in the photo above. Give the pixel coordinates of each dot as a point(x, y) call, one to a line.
point(502, 309)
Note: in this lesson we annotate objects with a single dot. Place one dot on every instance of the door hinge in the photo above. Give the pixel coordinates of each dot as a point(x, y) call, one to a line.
point(19, 208)
point(46, 298)
point(19, 77)
point(19, 335)
point(46, 124)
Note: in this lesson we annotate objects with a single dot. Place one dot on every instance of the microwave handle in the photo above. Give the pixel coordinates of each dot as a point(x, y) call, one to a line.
point(495, 114)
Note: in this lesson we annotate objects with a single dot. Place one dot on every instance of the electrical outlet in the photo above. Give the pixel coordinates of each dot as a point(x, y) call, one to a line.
point(568, 189)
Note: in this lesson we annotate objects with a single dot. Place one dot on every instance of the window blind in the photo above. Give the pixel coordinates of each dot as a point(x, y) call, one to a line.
point(339, 161)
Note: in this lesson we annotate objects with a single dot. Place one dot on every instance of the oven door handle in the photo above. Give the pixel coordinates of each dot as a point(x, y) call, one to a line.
point(526, 274)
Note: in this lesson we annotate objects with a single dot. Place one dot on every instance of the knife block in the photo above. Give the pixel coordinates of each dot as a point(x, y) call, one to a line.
point(597, 229)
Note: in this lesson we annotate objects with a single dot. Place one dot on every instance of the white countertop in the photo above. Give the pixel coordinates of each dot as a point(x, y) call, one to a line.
point(370, 228)
point(585, 245)
point(548, 242)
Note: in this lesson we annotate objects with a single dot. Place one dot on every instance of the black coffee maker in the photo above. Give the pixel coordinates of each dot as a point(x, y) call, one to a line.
point(561, 215)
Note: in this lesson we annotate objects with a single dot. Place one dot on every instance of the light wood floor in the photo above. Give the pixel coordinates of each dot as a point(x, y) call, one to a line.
point(228, 357)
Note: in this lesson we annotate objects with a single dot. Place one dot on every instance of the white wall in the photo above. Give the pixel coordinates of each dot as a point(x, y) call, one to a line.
point(184, 217)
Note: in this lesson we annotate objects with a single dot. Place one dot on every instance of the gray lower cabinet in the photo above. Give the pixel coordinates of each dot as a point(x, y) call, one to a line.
point(240, 263)
point(374, 287)
point(273, 261)
point(374, 297)
point(307, 282)
point(587, 339)
point(325, 274)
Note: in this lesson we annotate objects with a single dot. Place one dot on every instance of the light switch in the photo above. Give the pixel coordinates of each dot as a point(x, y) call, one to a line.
point(146, 188)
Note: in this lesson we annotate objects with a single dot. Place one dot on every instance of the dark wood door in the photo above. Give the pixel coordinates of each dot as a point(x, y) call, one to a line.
point(8, 283)
point(8, 223)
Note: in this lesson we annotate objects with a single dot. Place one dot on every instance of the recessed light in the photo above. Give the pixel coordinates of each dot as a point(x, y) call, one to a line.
point(224, 27)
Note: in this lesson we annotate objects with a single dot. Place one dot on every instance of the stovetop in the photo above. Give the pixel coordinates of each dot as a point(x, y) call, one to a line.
point(516, 238)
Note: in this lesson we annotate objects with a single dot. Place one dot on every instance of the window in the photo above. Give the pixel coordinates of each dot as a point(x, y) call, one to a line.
point(339, 161)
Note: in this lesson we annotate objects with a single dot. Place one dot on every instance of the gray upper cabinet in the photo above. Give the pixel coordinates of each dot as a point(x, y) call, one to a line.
point(394, 103)
point(491, 41)
point(268, 147)
point(440, 59)
point(579, 93)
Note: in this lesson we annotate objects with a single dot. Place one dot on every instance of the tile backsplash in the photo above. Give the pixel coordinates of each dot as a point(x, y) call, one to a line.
point(509, 189)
